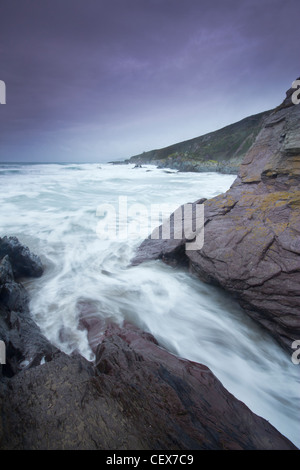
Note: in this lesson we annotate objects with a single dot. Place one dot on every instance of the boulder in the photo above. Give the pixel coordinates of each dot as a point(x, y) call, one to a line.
point(24, 263)
point(25, 345)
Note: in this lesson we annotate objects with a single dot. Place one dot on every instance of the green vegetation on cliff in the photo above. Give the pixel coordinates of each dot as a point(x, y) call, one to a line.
point(222, 150)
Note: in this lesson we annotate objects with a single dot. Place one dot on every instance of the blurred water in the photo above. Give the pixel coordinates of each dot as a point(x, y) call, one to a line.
point(53, 210)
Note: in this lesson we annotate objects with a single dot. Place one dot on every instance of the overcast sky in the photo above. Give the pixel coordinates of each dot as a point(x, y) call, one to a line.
point(100, 80)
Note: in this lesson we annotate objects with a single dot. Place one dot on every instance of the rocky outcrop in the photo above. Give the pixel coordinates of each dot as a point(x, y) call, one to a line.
point(135, 395)
point(252, 232)
point(25, 344)
point(24, 263)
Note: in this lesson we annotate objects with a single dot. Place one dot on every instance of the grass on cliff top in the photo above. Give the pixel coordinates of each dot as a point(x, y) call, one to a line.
point(230, 142)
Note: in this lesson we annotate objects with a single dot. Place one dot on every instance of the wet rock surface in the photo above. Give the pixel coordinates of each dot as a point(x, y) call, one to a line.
point(135, 396)
point(24, 263)
point(252, 232)
point(25, 344)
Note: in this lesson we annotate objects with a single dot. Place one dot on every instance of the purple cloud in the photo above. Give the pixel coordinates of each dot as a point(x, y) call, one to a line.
point(97, 80)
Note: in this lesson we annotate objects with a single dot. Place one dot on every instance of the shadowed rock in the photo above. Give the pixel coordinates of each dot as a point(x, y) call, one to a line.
point(25, 344)
point(24, 263)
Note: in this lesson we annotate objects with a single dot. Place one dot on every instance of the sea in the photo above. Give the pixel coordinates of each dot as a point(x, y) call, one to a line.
point(86, 221)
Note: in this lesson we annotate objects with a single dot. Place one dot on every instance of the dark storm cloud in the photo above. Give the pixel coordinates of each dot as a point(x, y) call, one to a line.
point(92, 79)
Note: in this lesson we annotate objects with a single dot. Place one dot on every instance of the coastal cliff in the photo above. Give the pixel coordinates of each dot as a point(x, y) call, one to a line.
point(221, 151)
point(252, 232)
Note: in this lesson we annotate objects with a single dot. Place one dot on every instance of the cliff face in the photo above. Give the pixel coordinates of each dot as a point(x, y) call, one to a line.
point(221, 151)
point(252, 232)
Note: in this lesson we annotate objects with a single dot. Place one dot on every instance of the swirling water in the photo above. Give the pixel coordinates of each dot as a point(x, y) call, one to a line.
point(53, 210)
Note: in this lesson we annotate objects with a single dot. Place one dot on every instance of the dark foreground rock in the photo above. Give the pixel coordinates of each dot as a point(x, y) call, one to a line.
point(135, 396)
point(24, 263)
point(252, 232)
point(25, 344)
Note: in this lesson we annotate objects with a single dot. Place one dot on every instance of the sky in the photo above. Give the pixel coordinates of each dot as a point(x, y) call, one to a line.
point(103, 80)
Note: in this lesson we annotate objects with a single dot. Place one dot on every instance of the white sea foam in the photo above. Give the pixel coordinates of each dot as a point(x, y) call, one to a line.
point(52, 209)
